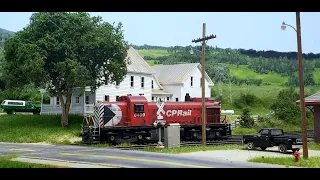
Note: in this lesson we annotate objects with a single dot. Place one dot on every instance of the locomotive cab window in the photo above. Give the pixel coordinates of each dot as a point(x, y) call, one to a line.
point(138, 108)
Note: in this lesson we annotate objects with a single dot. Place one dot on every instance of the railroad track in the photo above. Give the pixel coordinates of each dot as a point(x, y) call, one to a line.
point(233, 140)
point(182, 144)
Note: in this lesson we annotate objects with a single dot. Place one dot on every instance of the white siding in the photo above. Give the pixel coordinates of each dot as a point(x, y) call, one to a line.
point(176, 90)
point(155, 83)
point(196, 90)
point(125, 88)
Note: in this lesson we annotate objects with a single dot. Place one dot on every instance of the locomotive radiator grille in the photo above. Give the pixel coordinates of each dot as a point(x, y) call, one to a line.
point(98, 115)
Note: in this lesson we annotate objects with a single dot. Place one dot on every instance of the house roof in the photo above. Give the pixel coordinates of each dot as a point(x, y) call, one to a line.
point(160, 92)
point(176, 73)
point(136, 63)
point(311, 100)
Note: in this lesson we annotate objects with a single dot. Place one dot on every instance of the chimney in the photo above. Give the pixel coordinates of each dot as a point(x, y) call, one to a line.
point(187, 97)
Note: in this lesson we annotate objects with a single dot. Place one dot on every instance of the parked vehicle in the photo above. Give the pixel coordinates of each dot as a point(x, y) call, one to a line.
point(13, 106)
point(269, 137)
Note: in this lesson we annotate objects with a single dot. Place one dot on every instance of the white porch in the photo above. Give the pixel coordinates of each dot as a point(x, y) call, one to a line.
point(74, 109)
point(162, 95)
point(80, 104)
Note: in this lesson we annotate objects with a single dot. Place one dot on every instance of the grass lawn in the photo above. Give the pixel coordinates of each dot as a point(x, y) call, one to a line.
point(39, 128)
point(187, 149)
point(312, 162)
point(239, 131)
point(314, 146)
point(7, 162)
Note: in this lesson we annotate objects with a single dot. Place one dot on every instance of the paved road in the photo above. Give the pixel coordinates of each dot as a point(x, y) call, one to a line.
point(103, 157)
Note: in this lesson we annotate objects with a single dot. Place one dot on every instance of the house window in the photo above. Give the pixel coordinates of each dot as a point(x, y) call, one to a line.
point(87, 99)
point(152, 98)
point(142, 82)
point(152, 84)
point(117, 83)
point(191, 81)
point(177, 99)
point(200, 82)
point(77, 100)
point(58, 101)
point(106, 98)
point(168, 98)
point(117, 98)
point(131, 81)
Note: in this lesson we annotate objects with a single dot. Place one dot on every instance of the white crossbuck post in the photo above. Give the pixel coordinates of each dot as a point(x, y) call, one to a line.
point(160, 110)
point(160, 120)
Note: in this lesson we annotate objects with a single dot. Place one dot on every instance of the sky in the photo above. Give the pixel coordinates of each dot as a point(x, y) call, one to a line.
point(246, 30)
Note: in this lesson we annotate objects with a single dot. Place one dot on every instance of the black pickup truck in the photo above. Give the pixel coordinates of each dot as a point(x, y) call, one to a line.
point(269, 137)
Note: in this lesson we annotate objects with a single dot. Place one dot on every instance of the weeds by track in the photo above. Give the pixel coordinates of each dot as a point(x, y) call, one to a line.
point(229, 141)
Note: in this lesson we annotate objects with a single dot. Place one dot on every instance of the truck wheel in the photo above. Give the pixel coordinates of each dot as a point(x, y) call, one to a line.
point(13, 112)
point(250, 145)
point(282, 148)
point(263, 148)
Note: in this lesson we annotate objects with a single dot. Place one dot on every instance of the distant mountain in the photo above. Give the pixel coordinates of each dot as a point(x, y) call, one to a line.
point(4, 35)
point(6, 31)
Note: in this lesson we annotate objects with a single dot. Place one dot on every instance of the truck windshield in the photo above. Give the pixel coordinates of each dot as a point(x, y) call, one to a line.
point(3, 102)
point(275, 132)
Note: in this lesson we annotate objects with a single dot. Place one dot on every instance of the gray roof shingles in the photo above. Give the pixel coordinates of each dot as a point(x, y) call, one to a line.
point(137, 63)
point(176, 73)
point(312, 98)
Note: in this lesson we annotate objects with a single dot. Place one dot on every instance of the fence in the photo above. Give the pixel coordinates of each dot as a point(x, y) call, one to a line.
point(236, 122)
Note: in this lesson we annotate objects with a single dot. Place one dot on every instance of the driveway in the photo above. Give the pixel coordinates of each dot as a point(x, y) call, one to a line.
point(243, 155)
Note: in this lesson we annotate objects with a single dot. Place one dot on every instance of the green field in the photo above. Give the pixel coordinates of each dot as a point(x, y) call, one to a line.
point(151, 62)
point(316, 75)
point(154, 53)
point(243, 72)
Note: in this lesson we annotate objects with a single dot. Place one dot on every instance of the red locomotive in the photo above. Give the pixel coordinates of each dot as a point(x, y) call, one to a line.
point(134, 119)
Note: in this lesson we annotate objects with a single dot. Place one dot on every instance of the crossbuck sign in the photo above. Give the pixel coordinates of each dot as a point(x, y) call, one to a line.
point(160, 109)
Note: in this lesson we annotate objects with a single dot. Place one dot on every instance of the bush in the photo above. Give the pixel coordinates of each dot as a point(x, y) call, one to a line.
point(27, 93)
point(285, 107)
point(246, 100)
point(246, 120)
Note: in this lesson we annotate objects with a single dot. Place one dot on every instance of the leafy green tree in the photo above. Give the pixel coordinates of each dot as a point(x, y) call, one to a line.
point(285, 107)
point(65, 50)
point(245, 119)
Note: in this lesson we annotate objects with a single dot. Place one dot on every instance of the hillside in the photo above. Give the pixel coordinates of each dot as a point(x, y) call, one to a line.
point(240, 72)
point(4, 35)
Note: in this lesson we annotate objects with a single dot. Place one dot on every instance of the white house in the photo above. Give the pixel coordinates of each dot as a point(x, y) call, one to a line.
point(165, 82)
point(140, 79)
point(180, 79)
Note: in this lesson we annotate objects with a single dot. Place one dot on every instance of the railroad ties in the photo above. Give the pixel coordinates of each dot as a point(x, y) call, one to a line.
point(233, 140)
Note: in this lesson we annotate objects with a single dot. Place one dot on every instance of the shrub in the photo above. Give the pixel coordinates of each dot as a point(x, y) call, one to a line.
point(246, 100)
point(246, 120)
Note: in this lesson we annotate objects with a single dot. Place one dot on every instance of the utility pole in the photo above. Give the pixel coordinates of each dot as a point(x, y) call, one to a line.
point(203, 87)
point(301, 85)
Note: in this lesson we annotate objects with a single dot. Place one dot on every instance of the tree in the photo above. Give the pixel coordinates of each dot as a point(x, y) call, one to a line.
point(62, 51)
point(246, 120)
point(285, 107)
